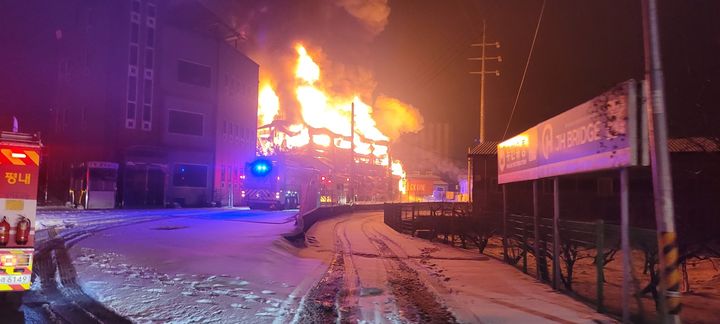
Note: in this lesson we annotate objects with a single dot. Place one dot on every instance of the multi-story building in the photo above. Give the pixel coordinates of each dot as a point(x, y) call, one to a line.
point(149, 84)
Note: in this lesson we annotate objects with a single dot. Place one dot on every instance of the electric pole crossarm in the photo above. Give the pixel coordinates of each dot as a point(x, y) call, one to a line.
point(483, 44)
point(496, 72)
point(496, 44)
point(497, 58)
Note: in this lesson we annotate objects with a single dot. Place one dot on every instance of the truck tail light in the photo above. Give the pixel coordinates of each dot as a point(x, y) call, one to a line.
point(8, 260)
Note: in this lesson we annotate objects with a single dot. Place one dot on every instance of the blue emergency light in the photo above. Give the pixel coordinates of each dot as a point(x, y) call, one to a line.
point(260, 168)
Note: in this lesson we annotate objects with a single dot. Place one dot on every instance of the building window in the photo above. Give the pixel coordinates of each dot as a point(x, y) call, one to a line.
point(151, 10)
point(194, 74)
point(149, 59)
point(190, 175)
point(133, 55)
point(147, 91)
point(132, 88)
point(134, 33)
point(130, 117)
point(148, 101)
point(185, 123)
point(150, 39)
point(136, 6)
point(147, 117)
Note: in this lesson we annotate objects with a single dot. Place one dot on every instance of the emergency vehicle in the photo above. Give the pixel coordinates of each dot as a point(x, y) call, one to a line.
point(278, 182)
point(19, 166)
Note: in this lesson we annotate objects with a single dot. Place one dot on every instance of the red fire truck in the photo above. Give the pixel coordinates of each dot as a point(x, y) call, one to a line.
point(19, 165)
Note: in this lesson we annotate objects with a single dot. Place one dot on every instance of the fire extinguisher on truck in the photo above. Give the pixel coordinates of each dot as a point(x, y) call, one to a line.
point(19, 167)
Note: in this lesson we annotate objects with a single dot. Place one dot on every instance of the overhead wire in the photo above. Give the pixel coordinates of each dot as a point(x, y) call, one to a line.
point(444, 60)
point(527, 63)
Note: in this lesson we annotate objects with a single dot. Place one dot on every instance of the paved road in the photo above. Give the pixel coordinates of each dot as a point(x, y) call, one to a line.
point(378, 275)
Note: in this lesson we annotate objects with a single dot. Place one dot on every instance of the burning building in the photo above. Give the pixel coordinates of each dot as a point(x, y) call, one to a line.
point(338, 127)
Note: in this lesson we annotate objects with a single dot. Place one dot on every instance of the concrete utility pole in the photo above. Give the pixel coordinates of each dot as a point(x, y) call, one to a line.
point(660, 161)
point(482, 73)
point(351, 189)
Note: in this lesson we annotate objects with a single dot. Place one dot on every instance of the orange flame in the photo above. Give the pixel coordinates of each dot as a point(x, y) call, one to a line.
point(322, 109)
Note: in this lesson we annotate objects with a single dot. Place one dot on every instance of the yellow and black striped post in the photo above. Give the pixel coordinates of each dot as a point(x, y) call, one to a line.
point(670, 278)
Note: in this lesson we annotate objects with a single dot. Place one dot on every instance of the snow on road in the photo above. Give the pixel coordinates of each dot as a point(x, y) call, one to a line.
point(232, 266)
point(392, 277)
point(225, 267)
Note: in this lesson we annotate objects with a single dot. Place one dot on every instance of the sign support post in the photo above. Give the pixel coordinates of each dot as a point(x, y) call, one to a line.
point(504, 224)
point(625, 242)
point(556, 233)
point(536, 230)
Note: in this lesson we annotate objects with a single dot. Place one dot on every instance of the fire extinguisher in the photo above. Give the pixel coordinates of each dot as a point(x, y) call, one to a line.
point(4, 232)
point(23, 231)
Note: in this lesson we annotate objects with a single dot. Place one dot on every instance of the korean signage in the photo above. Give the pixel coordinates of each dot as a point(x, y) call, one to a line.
point(18, 172)
point(596, 135)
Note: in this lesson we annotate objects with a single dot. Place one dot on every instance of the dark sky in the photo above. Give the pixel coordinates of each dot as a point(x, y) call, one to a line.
point(582, 49)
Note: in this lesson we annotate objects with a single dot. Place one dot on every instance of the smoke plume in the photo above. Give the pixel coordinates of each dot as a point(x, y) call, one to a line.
point(395, 117)
point(373, 13)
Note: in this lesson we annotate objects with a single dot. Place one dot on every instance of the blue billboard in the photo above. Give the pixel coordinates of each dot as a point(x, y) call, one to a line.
point(596, 135)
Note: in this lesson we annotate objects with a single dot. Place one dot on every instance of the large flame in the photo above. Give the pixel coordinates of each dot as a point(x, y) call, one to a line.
point(326, 119)
point(268, 104)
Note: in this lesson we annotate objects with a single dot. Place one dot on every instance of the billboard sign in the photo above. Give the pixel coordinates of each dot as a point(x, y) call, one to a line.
point(596, 135)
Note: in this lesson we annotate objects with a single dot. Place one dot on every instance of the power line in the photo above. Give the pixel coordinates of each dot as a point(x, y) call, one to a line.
point(527, 63)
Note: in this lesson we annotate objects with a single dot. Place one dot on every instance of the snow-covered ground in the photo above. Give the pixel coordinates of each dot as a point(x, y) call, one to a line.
point(201, 266)
point(232, 266)
point(382, 268)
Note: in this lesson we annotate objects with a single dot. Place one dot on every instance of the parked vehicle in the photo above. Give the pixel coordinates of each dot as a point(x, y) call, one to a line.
point(19, 167)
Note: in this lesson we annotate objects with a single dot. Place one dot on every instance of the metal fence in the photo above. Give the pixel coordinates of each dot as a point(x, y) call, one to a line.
point(456, 222)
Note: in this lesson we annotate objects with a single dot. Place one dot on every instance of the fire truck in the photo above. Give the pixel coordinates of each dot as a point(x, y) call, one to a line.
point(19, 166)
point(278, 182)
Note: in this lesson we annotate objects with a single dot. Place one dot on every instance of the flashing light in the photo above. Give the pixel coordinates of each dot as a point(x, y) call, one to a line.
point(322, 178)
point(261, 167)
point(277, 195)
point(18, 155)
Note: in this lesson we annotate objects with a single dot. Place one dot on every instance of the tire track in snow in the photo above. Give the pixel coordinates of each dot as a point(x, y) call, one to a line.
point(337, 297)
point(415, 301)
point(321, 303)
point(64, 301)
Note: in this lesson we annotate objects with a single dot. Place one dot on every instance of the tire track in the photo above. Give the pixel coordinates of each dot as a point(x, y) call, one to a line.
point(61, 299)
point(321, 303)
point(415, 301)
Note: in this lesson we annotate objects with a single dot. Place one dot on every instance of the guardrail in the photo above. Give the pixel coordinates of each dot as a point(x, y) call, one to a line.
point(305, 221)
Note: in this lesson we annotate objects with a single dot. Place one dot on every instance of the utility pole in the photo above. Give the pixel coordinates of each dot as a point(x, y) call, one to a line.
point(482, 73)
point(351, 189)
point(660, 162)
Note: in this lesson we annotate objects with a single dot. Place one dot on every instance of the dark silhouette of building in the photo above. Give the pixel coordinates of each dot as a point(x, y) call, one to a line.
point(150, 84)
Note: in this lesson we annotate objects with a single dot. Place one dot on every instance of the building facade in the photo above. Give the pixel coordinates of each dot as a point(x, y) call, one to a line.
point(149, 84)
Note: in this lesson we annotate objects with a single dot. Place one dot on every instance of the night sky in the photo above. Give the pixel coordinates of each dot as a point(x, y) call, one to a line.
point(582, 49)
point(420, 55)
